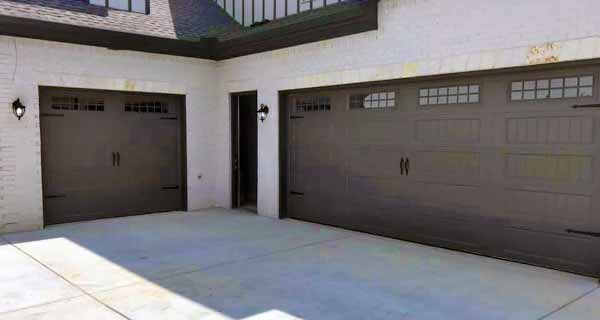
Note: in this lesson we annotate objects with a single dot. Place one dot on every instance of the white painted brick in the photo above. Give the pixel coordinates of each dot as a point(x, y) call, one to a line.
point(415, 38)
point(65, 65)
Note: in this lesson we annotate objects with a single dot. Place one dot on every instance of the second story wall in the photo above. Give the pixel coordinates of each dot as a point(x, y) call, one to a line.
point(415, 38)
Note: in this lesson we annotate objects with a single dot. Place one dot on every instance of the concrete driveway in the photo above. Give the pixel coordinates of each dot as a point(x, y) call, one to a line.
point(222, 264)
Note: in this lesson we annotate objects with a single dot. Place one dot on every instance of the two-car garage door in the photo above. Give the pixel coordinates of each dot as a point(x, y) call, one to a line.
point(107, 154)
point(501, 164)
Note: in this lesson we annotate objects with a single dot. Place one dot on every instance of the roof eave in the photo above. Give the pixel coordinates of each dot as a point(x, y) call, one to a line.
point(115, 40)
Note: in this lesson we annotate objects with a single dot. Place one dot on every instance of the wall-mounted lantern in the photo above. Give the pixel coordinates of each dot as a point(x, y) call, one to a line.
point(263, 111)
point(18, 109)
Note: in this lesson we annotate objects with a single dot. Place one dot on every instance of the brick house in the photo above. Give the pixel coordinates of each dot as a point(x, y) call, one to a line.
point(471, 125)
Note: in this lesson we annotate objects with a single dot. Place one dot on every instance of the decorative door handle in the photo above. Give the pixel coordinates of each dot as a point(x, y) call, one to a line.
point(114, 158)
point(118, 159)
point(402, 166)
point(407, 165)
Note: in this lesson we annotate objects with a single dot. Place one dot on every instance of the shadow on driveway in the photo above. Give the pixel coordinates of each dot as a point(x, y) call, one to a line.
point(223, 264)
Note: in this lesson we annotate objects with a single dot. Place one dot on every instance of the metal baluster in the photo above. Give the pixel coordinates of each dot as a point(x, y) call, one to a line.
point(274, 10)
point(253, 6)
point(263, 10)
point(243, 13)
point(233, 4)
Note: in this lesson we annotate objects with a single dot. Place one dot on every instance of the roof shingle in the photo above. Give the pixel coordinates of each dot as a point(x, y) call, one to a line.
point(175, 19)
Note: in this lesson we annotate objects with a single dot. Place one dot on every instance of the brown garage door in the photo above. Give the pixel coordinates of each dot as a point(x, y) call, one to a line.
point(109, 154)
point(500, 165)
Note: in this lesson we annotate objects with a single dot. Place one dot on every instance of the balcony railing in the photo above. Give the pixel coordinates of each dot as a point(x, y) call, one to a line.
point(255, 12)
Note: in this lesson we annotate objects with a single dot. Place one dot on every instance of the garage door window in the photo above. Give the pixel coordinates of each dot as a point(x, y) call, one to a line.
point(552, 88)
point(373, 100)
point(309, 104)
point(77, 104)
point(449, 95)
point(146, 107)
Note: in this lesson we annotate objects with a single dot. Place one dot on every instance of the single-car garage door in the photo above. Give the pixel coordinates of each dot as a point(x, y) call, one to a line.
point(504, 165)
point(109, 154)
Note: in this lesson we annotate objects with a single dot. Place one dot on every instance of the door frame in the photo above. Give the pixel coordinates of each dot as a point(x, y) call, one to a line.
point(284, 123)
point(235, 144)
point(182, 129)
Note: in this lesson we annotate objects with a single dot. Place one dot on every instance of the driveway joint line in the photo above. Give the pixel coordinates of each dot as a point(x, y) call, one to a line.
point(222, 264)
point(570, 303)
point(86, 293)
point(42, 304)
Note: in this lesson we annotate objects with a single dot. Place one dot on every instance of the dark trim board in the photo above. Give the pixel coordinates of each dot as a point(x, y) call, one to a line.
point(51, 31)
point(184, 155)
point(284, 115)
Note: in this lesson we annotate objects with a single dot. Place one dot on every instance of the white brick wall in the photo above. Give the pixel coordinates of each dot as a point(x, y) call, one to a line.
point(415, 38)
point(40, 63)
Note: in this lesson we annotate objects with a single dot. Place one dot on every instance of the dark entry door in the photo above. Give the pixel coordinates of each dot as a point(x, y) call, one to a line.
point(109, 154)
point(244, 150)
point(500, 165)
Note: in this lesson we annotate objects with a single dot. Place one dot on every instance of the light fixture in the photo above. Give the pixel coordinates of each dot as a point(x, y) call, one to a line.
point(18, 109)
point(263, 112)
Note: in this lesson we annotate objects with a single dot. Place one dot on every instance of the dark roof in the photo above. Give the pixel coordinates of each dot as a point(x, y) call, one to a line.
point(191, 28)
point(175, 19)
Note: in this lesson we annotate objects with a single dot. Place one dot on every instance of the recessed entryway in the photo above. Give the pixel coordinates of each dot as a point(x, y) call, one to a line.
point(108, 154)
point(244, 150)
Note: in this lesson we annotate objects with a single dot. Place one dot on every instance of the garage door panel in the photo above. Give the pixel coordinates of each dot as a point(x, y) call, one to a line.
point(446, 165)
point(537, 207)
point(376, 129)
point(558, 168)
point(448, 131)
point(550, 130)
point(512, 173)
point(313, 130)
point(450, 200)
point(452, 233)
point(380, 187)
point(544, 248)
point(377, 215)
point(322, 182)
point(315, 207)
point(374, 161)
point(317, 155)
